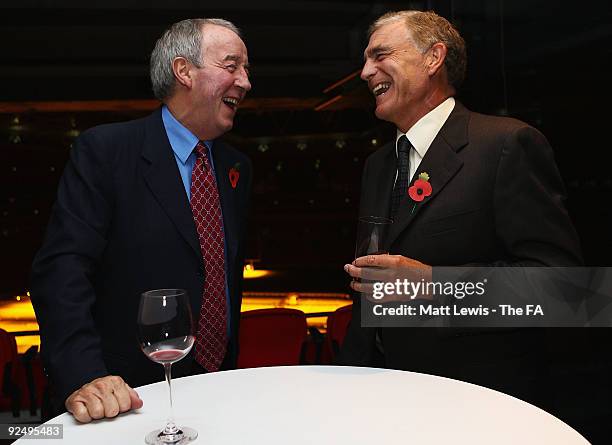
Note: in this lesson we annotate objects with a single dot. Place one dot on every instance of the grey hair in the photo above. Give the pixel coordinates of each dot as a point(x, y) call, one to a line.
point(182, 39)
point(427, 29)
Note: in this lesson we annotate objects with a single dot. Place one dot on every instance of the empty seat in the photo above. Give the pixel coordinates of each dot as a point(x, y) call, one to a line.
point(11, 375)
point(337, 324)
point(271, 337)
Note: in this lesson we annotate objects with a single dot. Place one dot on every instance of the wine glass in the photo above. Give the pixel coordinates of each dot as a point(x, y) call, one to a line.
point(165, 333)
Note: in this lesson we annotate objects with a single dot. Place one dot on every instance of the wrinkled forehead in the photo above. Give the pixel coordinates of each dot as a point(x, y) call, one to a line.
point(222, 43)
point(388, 36)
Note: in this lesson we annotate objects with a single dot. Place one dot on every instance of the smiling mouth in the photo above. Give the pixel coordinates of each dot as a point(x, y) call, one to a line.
point(381, 88)
point(231, 102)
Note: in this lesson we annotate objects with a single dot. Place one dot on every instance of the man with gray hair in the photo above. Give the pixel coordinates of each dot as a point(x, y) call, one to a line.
point(462, 189)
point(158, 202)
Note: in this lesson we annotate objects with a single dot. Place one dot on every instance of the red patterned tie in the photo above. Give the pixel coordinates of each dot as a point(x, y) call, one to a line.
point(211, 336)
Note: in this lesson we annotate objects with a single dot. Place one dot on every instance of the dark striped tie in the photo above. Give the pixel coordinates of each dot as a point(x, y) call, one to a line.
point(403, 174)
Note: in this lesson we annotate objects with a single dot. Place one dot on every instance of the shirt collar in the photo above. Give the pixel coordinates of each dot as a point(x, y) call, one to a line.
point(181, 139)
point(422, 134)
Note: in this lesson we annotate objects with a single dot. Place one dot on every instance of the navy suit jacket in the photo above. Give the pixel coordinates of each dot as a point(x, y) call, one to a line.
point(121, 225)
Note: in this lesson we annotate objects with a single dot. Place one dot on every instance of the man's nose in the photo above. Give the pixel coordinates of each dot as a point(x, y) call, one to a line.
point(368, 70)
point(243, 81)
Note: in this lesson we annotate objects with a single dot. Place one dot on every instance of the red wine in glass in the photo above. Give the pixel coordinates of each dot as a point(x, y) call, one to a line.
point(169, 351)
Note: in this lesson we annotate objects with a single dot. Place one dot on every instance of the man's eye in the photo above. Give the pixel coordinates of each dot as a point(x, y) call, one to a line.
point(380, 56)
point(231, 68)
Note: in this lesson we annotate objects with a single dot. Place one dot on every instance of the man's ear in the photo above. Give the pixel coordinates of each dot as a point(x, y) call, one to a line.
point(436, 55)
point(183, 70)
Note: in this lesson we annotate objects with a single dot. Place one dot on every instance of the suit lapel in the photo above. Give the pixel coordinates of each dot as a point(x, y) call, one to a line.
point(164, 180)
point(379, 191)
point(441, 163)
point(223, 163)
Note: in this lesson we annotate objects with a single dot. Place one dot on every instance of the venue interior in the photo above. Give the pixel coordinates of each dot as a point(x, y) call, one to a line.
point(308, 126)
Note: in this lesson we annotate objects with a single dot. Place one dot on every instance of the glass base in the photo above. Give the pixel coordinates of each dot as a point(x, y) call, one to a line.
point(182, 436)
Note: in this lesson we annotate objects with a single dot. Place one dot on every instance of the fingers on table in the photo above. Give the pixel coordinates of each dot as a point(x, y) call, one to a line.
point(135, 400)
point(104, 397)
point(78, 409)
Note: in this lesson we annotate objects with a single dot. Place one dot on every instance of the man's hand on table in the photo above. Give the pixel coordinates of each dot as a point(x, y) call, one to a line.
point(103, 397)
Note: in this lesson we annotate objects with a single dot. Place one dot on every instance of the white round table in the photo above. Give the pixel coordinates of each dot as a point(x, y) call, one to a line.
point(327, 405)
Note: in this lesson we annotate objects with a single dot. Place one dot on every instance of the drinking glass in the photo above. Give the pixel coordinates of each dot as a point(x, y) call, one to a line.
point(372, 235)
point(371, 240)
point(165, 332)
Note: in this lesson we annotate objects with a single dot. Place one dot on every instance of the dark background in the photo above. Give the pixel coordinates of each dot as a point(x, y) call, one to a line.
point(545, 62)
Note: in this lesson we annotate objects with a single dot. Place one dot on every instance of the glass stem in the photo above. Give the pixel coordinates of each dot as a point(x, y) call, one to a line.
point(171, 427)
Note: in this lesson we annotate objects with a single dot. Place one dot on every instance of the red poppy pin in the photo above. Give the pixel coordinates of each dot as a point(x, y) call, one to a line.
point(420, 190)
point(234, 174)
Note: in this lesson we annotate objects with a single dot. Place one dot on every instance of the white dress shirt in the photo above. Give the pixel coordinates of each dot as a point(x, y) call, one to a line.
point(422, 134)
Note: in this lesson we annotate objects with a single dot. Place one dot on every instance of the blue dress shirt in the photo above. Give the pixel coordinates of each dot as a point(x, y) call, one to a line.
point(183, 143)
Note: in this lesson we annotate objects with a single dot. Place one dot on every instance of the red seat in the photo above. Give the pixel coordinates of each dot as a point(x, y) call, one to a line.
point(22, 378)
point(33, 394)
point(11, 374)
point(271, 337)
point(337, 324)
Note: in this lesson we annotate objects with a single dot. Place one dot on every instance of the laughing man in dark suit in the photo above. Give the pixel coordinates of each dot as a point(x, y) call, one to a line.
point(123, 224)
point(494, 197)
